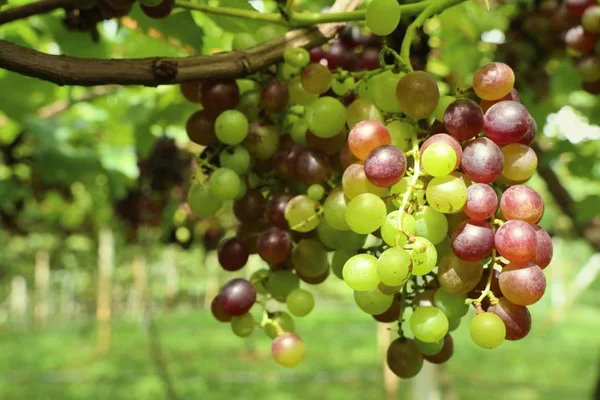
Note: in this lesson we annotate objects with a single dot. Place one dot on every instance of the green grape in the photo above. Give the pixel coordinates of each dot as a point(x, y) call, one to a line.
point(447, 194)
point(309, 258)
point(362, 110)
point(297, 57)
point(182, 234)
point(243, 325)
point(298, 132)
point(269, 32)
point(394, 266)
point(315, 192)
point(334, 210)
point(316, 78)
point(249, 105)
point(402, 133)
point(441, 107)
point(258, 279)
point(243, 41)
point(231, 127)
point(453, 324)
point(487, 330)
point(349, 240)
point(365, 213)
point(362, 89)
point(430, 224)
point(243, 190)
point(236, 159)
point(390, 290)
point(300, 302)
point(301, 214)
point(439, 159)
point(298, 95)
point(443, 248)
point(328, 235)
point(390, 233)
point(360, 272)
point(281, 283)
point(373, 301)
point(400, 188)
point(224, 184)
point(326, 117)
point(262, 140)
point(429, 349)
point(342, 88)
point(202, 203)
point(339, 259)
point(423, 255)
point(355, 182)
point(383, 91)
point(418, 94)
point(286, 72)
point(429, 324)
point(383, 16)
point(520, 162)
point(453, 305)
point(283, 320)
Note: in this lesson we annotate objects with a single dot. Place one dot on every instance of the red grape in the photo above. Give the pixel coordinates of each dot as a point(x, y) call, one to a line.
point(251, 207)
point(274, 96)
point(506, 122)
point(403, 358)
point(513, 95)
point(191, 91)
point(522, 202)
point(482, 201)
point(391, 314)
point(237, 297)
point(581, 41)
point(233, 254)
point(285, 162)
point(482, 160)
point(313, 167)
point(276, 210)
point(317, 54)
point(338, 56)
point(329, 146)
point(463, 119)
point(385, 166)
point(578, 7)
point(217, 311)
point(444, 354)
point(522, 284)
point(544, 249)
point(516, 241)
point(517, 319)
point(472, 240)
point(200, 128)
point(368, 59)
point(366, 136)
point(219, 95)
point(274, 245)
point(530, 135)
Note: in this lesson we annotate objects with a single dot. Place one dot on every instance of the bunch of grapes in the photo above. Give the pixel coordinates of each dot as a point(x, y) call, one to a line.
point(415, 200)
point(118, 8)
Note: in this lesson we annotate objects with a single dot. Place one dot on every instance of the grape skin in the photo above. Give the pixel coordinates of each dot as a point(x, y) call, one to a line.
point(523, 203)
point(473, 240)
point(363, 110)
point(373, 301)
point(273, 245)
point(385, 166)
point(447, 139)
point(482, 201)
point(355, 182)
point(493, 81)
point(506, 122)
point(429, 324)
point(447, 194)
point(288, 350)
point(457, 276)
point(418, 94)
point(516, 241)
point(237, 297)
point(233, 254)
point(445, 353)
point(360, 272)
point(517, 319)
point(520, 162)
point(487, 330)
point(463, 119)
point(482, 160)
point(382, 16)
point(544, 249)
point(313, 167)
point(403, 358)
point(309, 258)
point(522, 284)
point(365, 136)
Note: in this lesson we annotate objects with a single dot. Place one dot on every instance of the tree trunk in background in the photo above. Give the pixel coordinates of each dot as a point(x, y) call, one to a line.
point(425, 385)
point(171, 277)
point(18, 300)
point(390, 381)
point(41, 306)
point(106, 260)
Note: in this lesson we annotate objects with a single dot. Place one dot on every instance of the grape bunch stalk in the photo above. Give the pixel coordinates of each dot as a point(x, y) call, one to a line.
point(416, 200)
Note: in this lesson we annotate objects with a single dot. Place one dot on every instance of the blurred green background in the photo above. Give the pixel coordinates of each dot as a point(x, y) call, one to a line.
point(105, 278)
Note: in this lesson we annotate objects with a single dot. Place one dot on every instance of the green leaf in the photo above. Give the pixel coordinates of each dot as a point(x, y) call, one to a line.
point(587, 209)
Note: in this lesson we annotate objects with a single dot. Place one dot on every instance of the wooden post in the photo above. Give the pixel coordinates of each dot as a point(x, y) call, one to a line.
point(104, 296)
point(171, 276)
point(390, 380)
point(42, 284)
point(140, 292)
point(425, 385)
point(18, 300)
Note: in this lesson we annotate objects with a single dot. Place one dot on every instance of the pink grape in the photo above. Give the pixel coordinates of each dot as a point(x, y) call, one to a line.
point(385, 166)
point(522, 284)
point(517, 319)
point(472, 240)
point(482, 201)
point(516, 241)
point(544, 249)
point(482, 160)
point(523, 203)
point(463, 119)
point(366, 136)
point(506, 122)
point(288, 349)
point(493, 81)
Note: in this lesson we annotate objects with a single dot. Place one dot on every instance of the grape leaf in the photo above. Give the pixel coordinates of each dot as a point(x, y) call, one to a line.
point(233, 24)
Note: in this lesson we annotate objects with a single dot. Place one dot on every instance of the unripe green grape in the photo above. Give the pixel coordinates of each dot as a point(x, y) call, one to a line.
point(453, 324)
point(298, 95)
point(430, 224)
point(373, 301)
point(342, 88)
point(301, 213)
point(429, 349)
point(363, 110)
point(351, 240)
point(316, 78)
point(334, 210)
point(383, 16)
point(390, 232)
point(447, 194)
point(423, 255)
point(258, 279)
point(243, 325)
point(224, 184)
point(402, 133)
point(365, 213)
point(202, 203)
point(328, 235)
point(269, 32)
point(418, 94)
point(487, 330)
point(383, 91)
point(439, 159)
point(360, 272)
point(298, 132)
point(281, 283)
point(444, 102)
point(297, 57)
point(243, 190)
point(262, 140)
point(453, 305)
point(249, 105)
point(400, 188)
point(316, 192)
point(394, 266)
point(309, 258)
point(300, 302)
point(283, 320)
point(243, 41)
point(339, 260)
point(235, 158)
point(520, 162)
point(326, 117)
point(429, 324)
point(231, 127)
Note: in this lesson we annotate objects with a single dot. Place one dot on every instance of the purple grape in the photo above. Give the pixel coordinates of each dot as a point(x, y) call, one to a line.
point(217, 310)
point(285, 162)
point(516, 241)
point(274, 96)
point(218, 95)
point(274, 245)
point(530, 135)
point(482, 160)
point(233, 254)
point(506, 122)
point(463, 119)
point(544, 249)
point(237, 297)
point(472, 240)
point(482, 201)
point(313, 167)
point(251, 207)
point(385, 166)
point(276, 210)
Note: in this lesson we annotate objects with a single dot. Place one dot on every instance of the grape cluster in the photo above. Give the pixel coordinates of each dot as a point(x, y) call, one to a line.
point(415, 200)
point(156, 9)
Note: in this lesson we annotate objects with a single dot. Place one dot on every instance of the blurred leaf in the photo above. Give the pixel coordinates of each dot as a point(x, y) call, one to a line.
point(587, 209)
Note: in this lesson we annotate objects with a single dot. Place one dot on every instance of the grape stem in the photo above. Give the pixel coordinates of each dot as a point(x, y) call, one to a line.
point(486, 292)
point(411, 185)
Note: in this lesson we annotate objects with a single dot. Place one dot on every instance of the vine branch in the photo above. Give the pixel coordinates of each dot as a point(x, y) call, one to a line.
point(31, 9)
